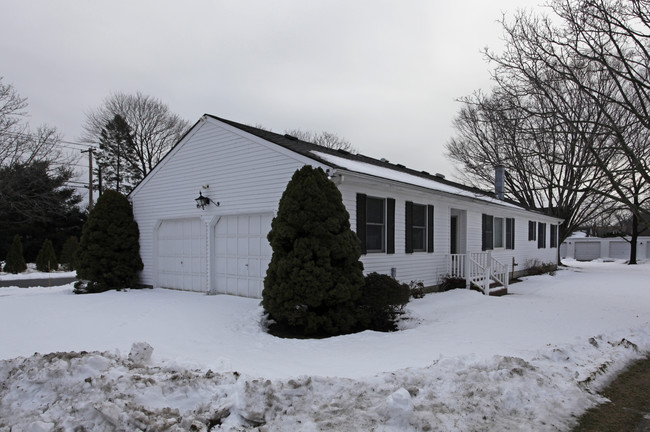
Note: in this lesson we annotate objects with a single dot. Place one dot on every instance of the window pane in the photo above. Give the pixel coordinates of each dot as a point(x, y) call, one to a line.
point(375, 210)
point(419, 234)
point(375, 237)
point(419, 215)
point(498, 232)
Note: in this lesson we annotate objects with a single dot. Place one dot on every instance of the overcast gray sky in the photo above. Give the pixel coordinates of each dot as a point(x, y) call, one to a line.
point(383, 74)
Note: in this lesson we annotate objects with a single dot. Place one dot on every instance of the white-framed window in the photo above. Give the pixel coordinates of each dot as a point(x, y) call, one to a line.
point(419, 228)
point(375, 224)
point(498, 232)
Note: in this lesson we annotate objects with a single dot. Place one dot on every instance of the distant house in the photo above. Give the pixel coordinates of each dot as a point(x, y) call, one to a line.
point(411, 224)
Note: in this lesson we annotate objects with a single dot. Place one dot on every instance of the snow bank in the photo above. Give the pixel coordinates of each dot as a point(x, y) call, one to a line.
point(104, 391)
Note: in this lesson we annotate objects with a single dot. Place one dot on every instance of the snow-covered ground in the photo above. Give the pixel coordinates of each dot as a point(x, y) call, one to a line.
point(32, 273)
point(529, 361)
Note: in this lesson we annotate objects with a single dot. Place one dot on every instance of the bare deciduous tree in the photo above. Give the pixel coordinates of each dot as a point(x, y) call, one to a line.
point(155, 129)
point(324, 139)
point(586, 75)
point(18, 143)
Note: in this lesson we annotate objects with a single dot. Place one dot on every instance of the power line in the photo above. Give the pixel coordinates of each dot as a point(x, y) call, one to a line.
point(33, 136)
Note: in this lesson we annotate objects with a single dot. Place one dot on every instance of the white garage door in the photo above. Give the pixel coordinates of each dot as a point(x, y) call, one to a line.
point(182, 260)
point(242, 254)
point(587, 251)
point(619, 249)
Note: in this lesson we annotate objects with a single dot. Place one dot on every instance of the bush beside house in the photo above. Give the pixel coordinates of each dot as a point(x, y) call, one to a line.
point(109, 251)
point(382, 301)
point(315, 279)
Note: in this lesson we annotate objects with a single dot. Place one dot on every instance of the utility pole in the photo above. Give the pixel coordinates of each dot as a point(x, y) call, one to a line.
point(90, 177)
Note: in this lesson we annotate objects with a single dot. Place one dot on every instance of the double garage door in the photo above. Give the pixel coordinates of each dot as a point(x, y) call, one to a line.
point(239, 254)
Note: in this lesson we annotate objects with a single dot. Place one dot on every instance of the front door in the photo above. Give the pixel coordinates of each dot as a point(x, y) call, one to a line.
point(454, 234)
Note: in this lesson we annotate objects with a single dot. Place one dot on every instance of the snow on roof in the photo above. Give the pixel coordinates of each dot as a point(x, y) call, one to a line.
point(387, 173)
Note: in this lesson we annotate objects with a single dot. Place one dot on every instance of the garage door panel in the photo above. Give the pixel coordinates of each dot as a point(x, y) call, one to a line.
point(254, 246)
point(619, 249)
point(254, 225)
point(240, 243)
point(587, 251)
point(182, 255)
point(242, 246)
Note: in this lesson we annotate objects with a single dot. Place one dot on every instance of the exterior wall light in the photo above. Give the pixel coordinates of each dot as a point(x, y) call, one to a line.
point(202, 202)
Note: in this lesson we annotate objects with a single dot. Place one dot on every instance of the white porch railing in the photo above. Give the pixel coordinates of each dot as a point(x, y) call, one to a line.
point(478, 268)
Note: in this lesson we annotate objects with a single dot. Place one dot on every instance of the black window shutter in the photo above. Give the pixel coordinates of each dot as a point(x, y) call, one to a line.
point(429, 228)
point(390, 225)
point(510, 233)
point(409, 227)
point(483, 232)
point(361, 221)
point(487, 236)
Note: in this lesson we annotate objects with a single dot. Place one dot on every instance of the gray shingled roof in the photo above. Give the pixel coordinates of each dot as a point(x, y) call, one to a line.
point(307, 149)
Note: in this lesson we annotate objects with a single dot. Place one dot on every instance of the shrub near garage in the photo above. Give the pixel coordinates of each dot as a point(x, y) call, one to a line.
point(109, 252)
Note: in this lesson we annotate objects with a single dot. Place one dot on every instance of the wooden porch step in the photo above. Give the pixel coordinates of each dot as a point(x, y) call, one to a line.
point(498, 291)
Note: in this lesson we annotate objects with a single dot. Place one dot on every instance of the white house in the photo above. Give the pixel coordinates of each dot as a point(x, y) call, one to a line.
point(413, 225)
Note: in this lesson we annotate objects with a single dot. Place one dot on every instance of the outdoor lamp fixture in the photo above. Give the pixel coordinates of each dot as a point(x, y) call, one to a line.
point(202, 202)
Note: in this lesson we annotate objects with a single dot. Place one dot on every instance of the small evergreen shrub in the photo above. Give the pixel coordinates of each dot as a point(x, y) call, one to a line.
point(46, 259)
point(315, 278)
point(67, 253)
point(382, 301)
point(109, 251)
point(15, 262)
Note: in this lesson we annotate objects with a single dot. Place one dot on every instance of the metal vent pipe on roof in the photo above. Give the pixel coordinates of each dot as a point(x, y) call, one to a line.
point(499, 181)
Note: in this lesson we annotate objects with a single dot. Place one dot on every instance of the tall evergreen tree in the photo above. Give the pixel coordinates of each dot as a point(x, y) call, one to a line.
point(315, 277)
point(15, 263)
point(116, 155)
point(46, 259)
point(109, 251)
